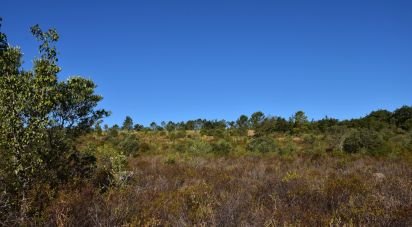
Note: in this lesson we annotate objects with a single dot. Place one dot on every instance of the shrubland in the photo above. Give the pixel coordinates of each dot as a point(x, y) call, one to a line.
point(59, 167)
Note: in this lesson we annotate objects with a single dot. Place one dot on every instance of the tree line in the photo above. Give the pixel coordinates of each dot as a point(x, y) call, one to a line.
point(400, 119)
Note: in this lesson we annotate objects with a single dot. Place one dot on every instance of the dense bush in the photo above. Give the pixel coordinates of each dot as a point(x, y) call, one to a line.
point(262, 145)
point(199, 146)
point(177, 135)
point(144, 147)
point(363, 140)
point(221, 147)
point(403, 117)
point(129, 145)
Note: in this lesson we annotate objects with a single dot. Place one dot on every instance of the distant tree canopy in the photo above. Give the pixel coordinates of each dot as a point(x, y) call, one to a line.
point(298, 123)
point(402, 117)
point(127, 123)
point(256, 119)
point(40, 118)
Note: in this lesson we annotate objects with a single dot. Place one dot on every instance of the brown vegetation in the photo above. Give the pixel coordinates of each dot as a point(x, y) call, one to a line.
point(270, 190)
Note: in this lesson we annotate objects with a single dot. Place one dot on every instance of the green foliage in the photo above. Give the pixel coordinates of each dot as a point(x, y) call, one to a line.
point(378, 120)
point(218, 133)
point(262, 145)
point(213, 128)
point(46, 147)
point(113, 132)
point(144, 147)
point(242, 125)
point(127, 124)
point(271, 125)
point(326, 123)
point(170, 126)
point(138, 127)
point(199, 146)
point(177, 135)
point(300, 122)
point(363, 140)
point(154, 126)
point(40, 120)
point(221, 147)
point(256, 119)
point(129, 145)
point(171, 160)
point(288, 146)
point(110, 158)
point(3, 39)
point(403, 117)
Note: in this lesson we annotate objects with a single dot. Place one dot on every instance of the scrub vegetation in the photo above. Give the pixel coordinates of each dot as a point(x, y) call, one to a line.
point(60, 167)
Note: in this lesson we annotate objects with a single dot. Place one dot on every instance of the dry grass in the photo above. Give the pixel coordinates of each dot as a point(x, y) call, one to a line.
point(250, 190)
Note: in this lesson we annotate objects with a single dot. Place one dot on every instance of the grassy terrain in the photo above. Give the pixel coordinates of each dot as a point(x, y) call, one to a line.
point(185, 182)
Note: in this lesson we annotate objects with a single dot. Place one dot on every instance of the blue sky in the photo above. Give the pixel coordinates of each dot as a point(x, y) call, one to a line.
point(178, 60)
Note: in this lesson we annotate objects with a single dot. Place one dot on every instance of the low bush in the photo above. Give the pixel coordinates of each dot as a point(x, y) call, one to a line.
point(221, 147)
point(262, 145)
point(144, 147)
point(363, 140)
point(199, 146)
point(129, 145)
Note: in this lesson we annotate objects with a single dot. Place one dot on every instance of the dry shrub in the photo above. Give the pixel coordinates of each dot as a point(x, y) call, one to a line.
point(247, 190)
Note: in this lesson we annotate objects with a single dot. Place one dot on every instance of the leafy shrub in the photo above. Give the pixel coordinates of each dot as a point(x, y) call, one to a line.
point(221, 147)
point(129, 145)
point(171, 159)
point(218, 133)
point(112, 133)
point(199, 146)
point(400, 143)
point(363, 140)
point(309, 139)
point(180, 146)
point(177, 135)
point(144, 147)
point(110, 158)
point(262, 144)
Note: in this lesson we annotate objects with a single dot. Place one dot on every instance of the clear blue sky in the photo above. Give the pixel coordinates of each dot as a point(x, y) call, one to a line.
point(178, 60)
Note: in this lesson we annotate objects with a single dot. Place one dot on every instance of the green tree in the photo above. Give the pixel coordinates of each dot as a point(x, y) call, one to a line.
point(300, 122)
point(170, 126)
point(257, 119)
point(403, 117)
point(326, 123)
point(377, 120)
point(127, 123)
point(154, 126)
point(242, 124)
point(40, 118)
point(138, 127)
point(98, 128)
